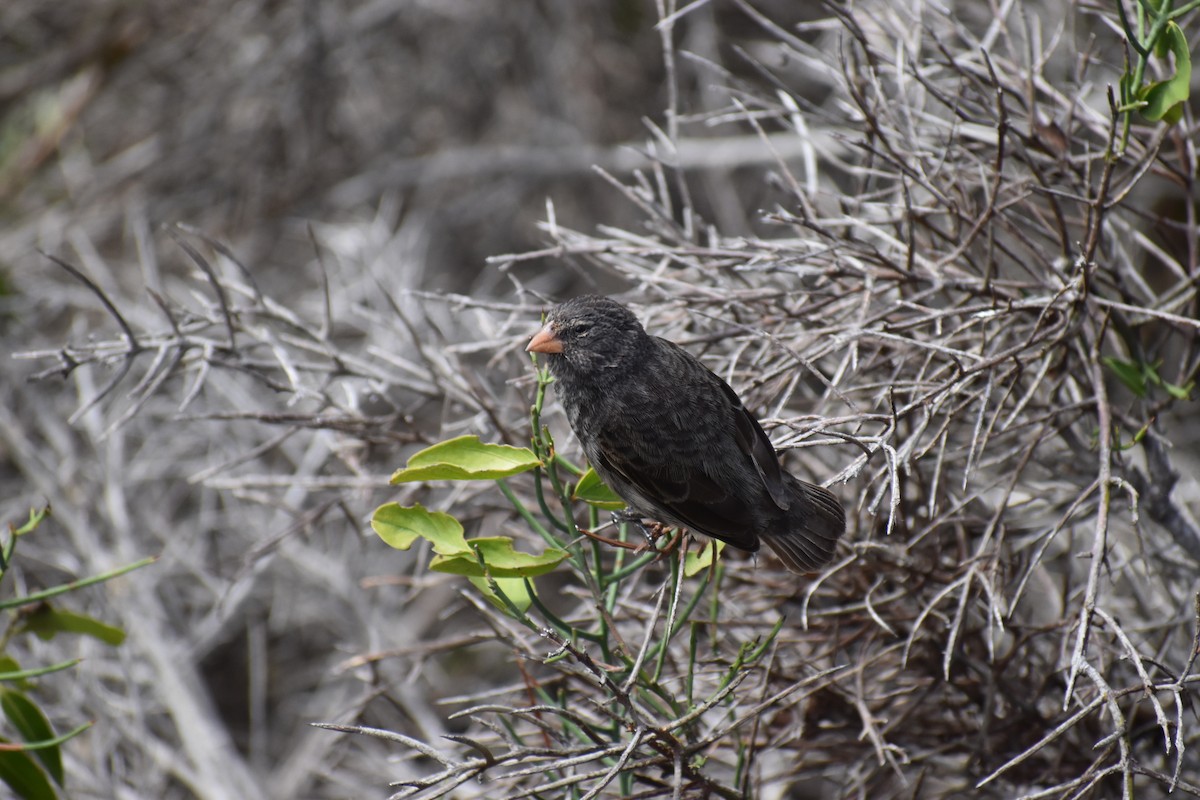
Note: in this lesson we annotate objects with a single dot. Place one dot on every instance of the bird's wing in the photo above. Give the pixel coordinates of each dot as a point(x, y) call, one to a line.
point(682, 493)
point(752, 440)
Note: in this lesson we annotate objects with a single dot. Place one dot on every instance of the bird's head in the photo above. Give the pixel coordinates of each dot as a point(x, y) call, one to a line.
point(588, 334)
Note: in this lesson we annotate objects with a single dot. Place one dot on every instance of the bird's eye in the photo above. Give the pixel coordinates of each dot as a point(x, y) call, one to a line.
point(583, 328)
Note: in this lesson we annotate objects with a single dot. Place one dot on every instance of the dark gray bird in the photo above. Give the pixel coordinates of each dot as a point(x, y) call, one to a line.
point(674, 441)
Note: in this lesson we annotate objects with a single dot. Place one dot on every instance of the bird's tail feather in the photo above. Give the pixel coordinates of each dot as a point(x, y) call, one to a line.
point(805, 538)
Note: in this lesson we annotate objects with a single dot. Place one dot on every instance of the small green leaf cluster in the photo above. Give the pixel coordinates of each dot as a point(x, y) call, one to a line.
point(492, 563)
point(1155, 33)
point(31, 762)
point(1139, 377)
point(483, 561)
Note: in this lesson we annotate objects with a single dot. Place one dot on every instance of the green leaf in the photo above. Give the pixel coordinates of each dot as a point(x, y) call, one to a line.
point(46, 621)
point(466, 459)
point(399, 526)
point(594, 491)
point(1132, 375)
point(502, 559)
point(22, 775)
point(1139, 377)
point(513, 588)
point(27, 718)
point(1164, 99)
point(697, 561)
point(1180, 392)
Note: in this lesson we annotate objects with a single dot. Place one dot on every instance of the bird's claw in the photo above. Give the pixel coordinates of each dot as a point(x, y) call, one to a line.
point(652, 533)
point(626, 516)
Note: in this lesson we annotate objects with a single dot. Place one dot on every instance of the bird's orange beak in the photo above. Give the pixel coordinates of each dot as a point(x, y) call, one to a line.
point(545, 341)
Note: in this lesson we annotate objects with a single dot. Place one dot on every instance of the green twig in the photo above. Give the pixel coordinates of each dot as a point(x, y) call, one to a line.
point(55, 591)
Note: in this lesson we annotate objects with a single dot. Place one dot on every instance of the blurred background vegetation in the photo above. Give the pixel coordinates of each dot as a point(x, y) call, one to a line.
point(305, 240)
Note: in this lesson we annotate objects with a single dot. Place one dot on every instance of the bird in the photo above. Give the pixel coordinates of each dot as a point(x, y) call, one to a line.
point(674, 440)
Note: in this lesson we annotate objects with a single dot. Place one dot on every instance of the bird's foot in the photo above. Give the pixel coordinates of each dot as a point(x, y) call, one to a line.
point(673, 544)
point(650, 534)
